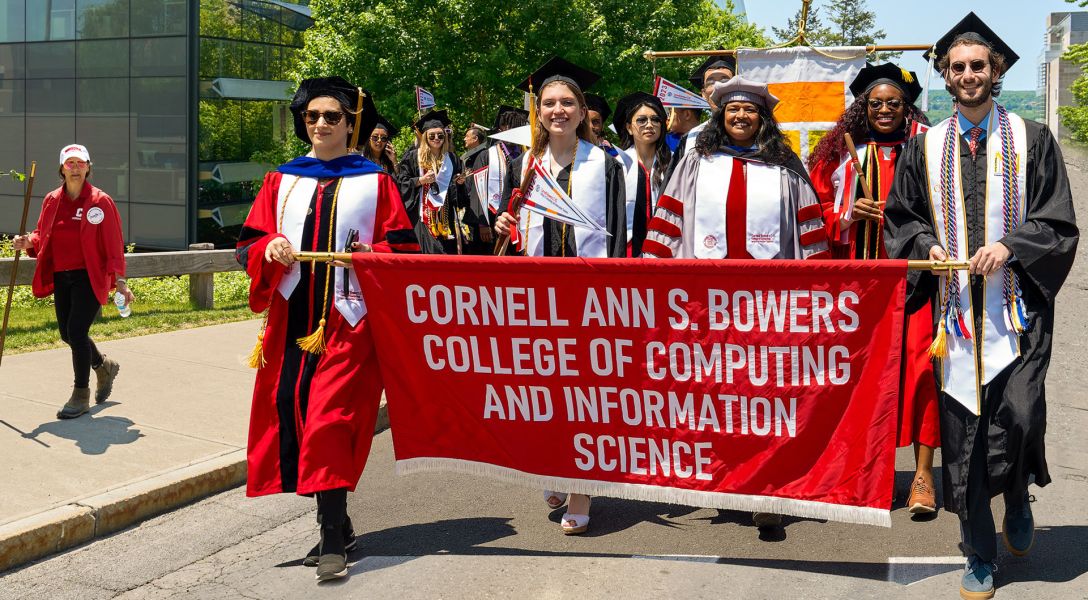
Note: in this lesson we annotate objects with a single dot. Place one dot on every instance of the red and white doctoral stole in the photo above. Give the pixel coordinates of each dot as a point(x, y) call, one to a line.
point(763, 225)
point(434, 195)
point(356, 204)
point(1000, 343)
point(587, 190)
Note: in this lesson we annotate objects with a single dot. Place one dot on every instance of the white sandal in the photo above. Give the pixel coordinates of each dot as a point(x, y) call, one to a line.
point(574, 524)
point(561, 497)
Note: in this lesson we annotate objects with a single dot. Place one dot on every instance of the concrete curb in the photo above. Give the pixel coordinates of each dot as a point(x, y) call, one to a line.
point(70, 525)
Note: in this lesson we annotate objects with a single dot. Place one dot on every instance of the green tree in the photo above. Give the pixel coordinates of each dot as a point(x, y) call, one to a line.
point(1076, 117)
point(853, 24)
point(816, 33)
point(470, 54)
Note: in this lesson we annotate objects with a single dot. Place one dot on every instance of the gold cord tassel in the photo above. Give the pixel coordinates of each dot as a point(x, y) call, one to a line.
point(939, 347)
point(256, 357)
point(315, 342)
point(532, 116)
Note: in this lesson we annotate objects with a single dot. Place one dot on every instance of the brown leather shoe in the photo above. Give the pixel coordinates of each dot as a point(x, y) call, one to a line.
point(922, 499)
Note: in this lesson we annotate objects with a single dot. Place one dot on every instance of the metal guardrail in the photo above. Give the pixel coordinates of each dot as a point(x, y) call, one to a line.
point(200, 264)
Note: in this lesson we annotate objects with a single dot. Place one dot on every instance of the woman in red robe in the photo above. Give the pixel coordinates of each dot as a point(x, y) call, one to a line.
point(317, 391)
point(880, 121)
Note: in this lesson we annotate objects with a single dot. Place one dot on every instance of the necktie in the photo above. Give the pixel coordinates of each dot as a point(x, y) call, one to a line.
point(975, 133)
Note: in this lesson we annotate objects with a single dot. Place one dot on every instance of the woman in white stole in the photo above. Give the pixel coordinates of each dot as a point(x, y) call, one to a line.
point(742, 194)
point(640, 122)
point(593, 180)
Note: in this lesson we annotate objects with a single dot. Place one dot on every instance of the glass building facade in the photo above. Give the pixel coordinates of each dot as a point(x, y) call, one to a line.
point(173, 98)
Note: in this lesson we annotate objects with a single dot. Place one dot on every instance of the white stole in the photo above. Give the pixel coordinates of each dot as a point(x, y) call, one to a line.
point(963, 376)
point(496, 175)
point(763, 221)
point(436, 192)
point(689, 137)
point(631, 175)
point(587, 190)
point(356, 204)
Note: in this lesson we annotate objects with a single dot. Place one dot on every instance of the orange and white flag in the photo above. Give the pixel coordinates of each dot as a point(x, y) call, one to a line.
point(812, 84)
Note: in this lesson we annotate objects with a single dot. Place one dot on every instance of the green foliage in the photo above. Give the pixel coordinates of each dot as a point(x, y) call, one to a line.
point(1076, 117)
point(1024, 103)
point(471, 54)
point(15, 175)
point(849, 23)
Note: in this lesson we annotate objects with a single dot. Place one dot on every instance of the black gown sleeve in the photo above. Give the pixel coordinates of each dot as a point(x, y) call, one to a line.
point(1045, 244)
point(513, 180)
point(908, 222)
point(461, 198)
point(616, 215)
point(407, 177)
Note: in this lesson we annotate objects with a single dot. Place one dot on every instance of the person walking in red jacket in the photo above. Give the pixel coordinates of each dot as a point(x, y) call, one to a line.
point(81, 259)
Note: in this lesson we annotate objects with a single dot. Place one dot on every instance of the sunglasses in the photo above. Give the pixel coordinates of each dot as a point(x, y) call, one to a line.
point(379, 138)
point(643, 120)
point(976, 66)
point(436, 136)
point(894, 104)
point(332, 117)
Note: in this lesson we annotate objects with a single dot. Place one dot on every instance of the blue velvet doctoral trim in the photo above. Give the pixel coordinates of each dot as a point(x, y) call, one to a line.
point(349, 164)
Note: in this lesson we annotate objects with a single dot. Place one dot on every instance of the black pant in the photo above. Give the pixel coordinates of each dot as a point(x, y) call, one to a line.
point(77, 308)
point(978, 532)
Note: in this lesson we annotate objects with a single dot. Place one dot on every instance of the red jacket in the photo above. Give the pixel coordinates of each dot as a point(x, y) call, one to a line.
point(99, 235)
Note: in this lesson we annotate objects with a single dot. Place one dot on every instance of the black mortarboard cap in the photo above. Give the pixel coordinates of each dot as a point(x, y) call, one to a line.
point(599, 104)
point(720, 61)
point(625, 105)
point(432, 120)
point(559, 69)
point(504, 110)
point(338, 88)
point(972, 28)
point(872, 75)
point(385, 124)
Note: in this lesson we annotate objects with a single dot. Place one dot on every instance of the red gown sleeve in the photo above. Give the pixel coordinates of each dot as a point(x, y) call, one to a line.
point(821, 181)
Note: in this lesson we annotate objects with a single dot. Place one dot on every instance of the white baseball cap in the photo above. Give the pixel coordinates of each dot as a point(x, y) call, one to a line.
point(74, 151)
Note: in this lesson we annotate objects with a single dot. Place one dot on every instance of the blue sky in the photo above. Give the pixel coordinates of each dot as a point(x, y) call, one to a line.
point(1020, 23)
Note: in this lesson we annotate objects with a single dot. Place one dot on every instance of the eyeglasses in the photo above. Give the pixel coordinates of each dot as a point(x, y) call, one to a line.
point(332, 117)
point(379, 138)
point(643, 120)
point(894, 104)
point(976, 66)
point(436, 136)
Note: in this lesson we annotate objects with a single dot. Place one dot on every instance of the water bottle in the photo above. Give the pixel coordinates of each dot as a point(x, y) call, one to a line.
point(122, 308)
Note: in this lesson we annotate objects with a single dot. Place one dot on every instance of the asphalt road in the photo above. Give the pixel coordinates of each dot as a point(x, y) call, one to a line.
point(454, 536)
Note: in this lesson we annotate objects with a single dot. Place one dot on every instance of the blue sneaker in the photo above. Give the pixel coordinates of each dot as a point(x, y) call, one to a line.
point(978, 579)
point(1018, 529)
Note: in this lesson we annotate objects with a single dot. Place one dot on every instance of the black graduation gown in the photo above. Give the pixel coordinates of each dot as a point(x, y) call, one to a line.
point(407, 176)
point(615, 212)
point(473, 160)
point(1044, 246)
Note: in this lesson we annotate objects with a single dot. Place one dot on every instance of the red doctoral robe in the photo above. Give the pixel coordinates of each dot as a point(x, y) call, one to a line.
point(313, 415)
point(836, 183)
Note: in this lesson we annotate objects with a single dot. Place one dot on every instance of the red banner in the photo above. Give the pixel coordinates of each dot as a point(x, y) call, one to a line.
point(745, 385)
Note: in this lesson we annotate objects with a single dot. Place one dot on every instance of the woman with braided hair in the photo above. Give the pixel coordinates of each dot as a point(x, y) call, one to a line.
point(880, 121)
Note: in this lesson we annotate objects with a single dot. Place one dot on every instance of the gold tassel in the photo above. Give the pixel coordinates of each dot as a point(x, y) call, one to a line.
point(532, 116)
point(315, 342)
point(256, 358)
point(939, 348)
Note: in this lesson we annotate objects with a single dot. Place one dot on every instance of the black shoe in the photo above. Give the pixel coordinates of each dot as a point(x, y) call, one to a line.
point(350, 543)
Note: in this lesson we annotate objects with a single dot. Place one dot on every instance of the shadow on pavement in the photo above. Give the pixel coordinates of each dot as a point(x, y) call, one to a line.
point(91, 434)
point(1058, 556)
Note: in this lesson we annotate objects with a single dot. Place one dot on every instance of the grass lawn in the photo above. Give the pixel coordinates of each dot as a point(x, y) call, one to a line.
point(33, 328)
